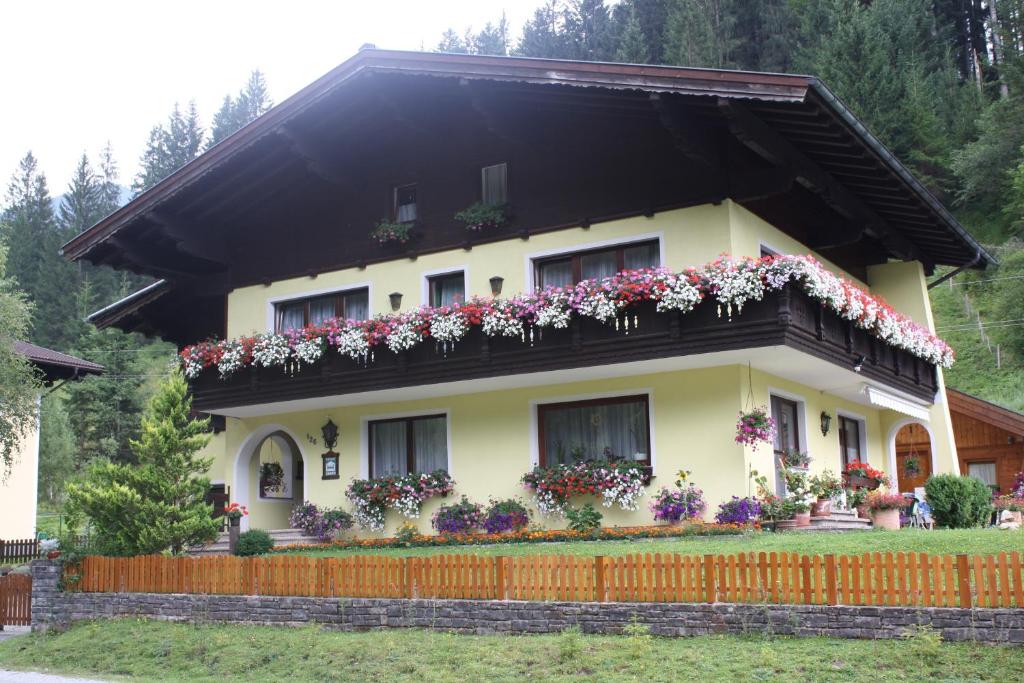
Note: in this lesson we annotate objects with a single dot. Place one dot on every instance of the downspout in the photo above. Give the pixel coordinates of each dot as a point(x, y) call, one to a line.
point(954, 273)
point(63, 382)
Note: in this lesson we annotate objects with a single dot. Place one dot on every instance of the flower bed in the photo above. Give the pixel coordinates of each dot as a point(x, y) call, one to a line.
point(373, 497)
point(525, 536)
point(731, 283)
point(616, 482)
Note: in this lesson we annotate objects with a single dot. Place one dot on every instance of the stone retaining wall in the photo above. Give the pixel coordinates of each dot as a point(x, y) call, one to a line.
point(54, 609)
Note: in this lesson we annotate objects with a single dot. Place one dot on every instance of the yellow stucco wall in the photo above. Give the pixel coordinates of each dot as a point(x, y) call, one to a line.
point(18, 491)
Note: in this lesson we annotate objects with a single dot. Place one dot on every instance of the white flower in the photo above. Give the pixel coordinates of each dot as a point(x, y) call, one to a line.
point(232, 358)
point(351, 342)
point(309, 350)
point(450, 327)
point(403, 336)
point(270, 350)
point(500, 321)
point(681, 294)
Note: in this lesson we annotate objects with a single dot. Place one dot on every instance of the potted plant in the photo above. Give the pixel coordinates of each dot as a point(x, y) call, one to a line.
point(755, 427)
point(792, 514)
point(824, 487)
point(480, 216)
point(1015, 506)
point(885, 509)
point(271, 477)
point(387, 232)
point(912, 466)
point(234, 512)
point(855, 501)
point(795, 459)
point(686, 501)
point(862, 475)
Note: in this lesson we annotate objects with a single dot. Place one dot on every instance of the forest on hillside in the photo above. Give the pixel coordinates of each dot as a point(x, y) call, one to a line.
point(941, 82)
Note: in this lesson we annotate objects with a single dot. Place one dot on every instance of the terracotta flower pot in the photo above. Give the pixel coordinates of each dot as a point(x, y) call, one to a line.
point(821, 508)
point(863, 512)
point(802, 519)
point(886, 519)
point(784, 524)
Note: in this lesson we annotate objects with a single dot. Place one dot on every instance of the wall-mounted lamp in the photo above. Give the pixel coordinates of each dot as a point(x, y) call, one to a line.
point(826, 423)
point(496, 283)
point(396, 300)
point(858, 364)
point(330, 434)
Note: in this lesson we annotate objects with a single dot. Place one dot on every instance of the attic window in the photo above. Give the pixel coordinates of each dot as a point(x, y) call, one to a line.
point(405, 203)
point(494, 184)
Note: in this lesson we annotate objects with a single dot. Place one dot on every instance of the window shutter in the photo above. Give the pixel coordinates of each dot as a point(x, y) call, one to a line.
point(495, 184)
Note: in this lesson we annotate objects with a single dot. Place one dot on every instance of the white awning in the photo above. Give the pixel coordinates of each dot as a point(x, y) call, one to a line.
point(883, 399)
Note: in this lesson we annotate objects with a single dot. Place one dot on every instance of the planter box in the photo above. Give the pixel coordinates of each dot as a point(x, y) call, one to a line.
point(855, 481)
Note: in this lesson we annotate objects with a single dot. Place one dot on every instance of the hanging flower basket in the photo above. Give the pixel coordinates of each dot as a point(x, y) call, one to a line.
point(271, 477)
point(387, 232)
point(755, 427)
point(480, 217)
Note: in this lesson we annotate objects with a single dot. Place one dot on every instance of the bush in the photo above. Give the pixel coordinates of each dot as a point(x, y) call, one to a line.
point(738, 511)
point(253, 542)
point(585, 519)
point(958, 502)
point(323, 524)
point(460, 518)
point(505, 515)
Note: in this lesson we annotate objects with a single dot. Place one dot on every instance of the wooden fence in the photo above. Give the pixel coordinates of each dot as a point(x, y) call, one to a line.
point(904, 579)
point(15, 600)
point(20, 550)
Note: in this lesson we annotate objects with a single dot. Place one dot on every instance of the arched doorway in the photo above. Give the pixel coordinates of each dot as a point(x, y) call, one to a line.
point(911, 456)
point(269, 473)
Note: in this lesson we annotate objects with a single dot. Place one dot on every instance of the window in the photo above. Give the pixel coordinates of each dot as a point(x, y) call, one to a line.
point(447, 289)
point(408, 444)
point(787, 432)
point(405, 204)
point(494, 184)
point(353, 304)
point(850, 447)
point(598, 429)
point(567, 270)
point(985, 471)
point(767, 251)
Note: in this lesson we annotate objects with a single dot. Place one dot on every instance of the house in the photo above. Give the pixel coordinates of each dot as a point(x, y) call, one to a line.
point(342, 203)
point(19, 490)
point(989, 443)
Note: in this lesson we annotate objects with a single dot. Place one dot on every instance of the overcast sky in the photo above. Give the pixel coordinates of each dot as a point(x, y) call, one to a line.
point(77, 74)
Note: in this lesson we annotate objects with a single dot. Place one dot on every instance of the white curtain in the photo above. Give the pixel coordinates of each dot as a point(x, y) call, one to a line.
point(431, 438)
point(449, 289)
point(357, 305)
point(641, 256)
point(389, 448)
point(985, 471)
point(556, 274)
point(616, 430)
point(291, 317)
point(601, 264)
point(321, 309)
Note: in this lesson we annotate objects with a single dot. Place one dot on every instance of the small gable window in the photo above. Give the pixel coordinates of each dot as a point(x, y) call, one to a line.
point(494, 184)
point(405, 204)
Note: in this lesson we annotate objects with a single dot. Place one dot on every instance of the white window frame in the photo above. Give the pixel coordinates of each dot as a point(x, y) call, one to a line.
point(364, 435)
point(533, 257)
point(801, 408)
point(427, 274)
point(535, 425)
point(862, 427)
point(272, 302)
point(764, 246)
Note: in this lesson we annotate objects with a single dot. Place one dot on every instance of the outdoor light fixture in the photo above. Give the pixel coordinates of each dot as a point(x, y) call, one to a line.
point(826, 422)
point(858, 364)
point(496, 282)
point(396, 300)
point(330, 434)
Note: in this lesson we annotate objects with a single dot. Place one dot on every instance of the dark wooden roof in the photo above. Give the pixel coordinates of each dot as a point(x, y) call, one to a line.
point(985, 411)
point(56, 365)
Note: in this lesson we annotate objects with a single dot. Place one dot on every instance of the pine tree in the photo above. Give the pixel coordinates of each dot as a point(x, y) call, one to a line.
point(588, 30)
point(632, 46)
point(252, 102)
point(701, 33)
point(544, 34)
point(160, 503)
point(169, 147)
point(452, 42)
point(492, 38)
point(82, 205)
point(653, 16)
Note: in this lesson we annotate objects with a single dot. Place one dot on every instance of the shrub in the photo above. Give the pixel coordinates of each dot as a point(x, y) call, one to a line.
point(505, 515)
point(253, 542)
point(738, 511)
point(958, 502)
point(323, 524)
point(406, 533)
point(585, 519)
point(460, 518)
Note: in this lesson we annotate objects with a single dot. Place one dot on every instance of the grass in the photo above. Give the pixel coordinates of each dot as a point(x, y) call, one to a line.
point(942, 541)
point(158, 651)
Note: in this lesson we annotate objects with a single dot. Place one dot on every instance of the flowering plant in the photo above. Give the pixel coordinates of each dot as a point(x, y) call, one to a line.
point(481, 216)
point(271, 476)
point(617, 482)
point(1018, 486)
point(730, 282)
point(460, 518)
point(755, 427)
point(738, 511)
point(235, 511)
point(877, 500)
point(322, 524)
point(505, 515)
point(826, 485)
point(1012, 503)
point(681, 503)
point(387, 232)
point(862, 469)
point(373, 497)
point(794, 458)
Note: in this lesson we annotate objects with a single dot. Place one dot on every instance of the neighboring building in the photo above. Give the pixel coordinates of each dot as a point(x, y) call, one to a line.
point(989, 442)
point(19, 491)
point(603, 167)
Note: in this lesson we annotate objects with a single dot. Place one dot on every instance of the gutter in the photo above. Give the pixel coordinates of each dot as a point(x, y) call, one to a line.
point(954, 273)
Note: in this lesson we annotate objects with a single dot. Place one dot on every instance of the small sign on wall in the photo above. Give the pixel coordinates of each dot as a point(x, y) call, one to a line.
point(330, 465)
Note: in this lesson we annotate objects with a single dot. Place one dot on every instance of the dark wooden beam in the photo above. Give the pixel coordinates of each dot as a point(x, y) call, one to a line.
point(191, 239)
point(695, 141)
point(148, 258)
point(772, 147)
point(316, 161)
point(491, 119)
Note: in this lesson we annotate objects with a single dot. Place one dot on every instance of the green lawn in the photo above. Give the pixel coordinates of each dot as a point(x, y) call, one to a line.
point(155, 651)
point(971, 541)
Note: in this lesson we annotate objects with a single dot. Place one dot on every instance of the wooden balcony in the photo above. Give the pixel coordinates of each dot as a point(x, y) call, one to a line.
point(784, 318)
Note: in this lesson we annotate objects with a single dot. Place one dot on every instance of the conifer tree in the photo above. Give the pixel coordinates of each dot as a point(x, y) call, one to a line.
point(169, 147)
point(632, 45)
point(251, 102)
point(158, 504)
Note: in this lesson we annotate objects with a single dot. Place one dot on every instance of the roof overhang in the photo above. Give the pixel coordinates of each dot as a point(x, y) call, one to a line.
point(55, 365)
